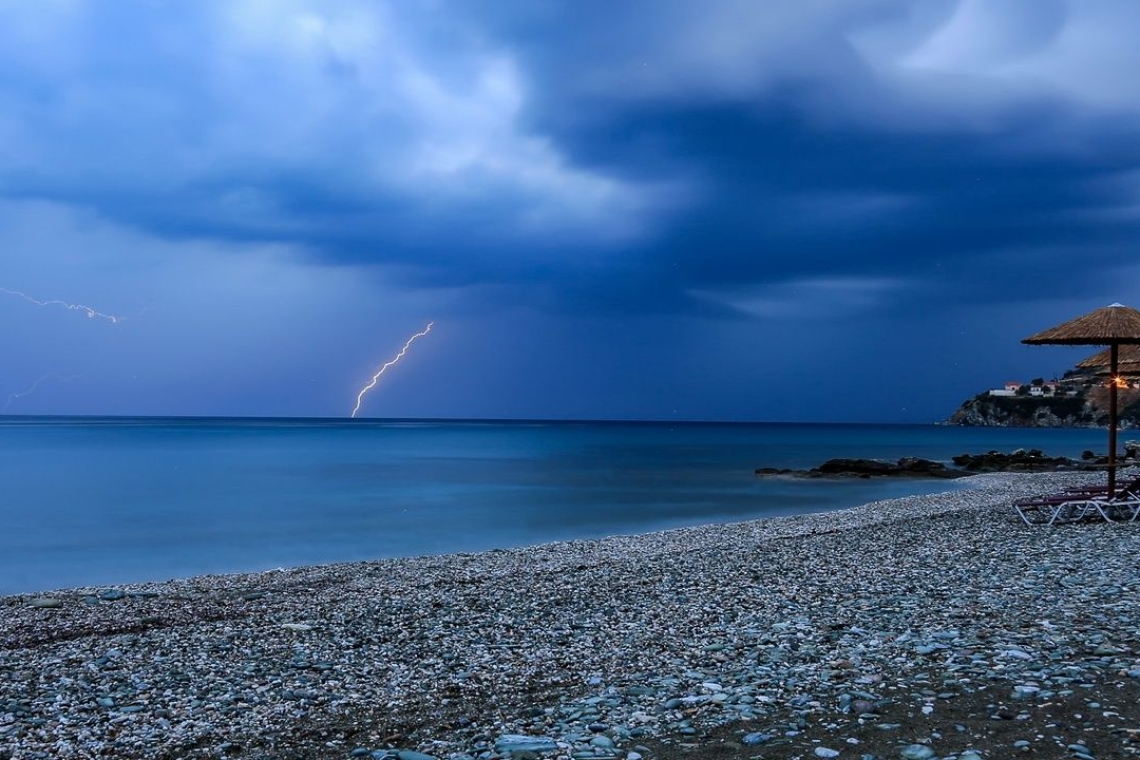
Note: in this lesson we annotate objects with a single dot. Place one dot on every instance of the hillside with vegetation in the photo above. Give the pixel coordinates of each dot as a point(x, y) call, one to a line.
point(1079, 399)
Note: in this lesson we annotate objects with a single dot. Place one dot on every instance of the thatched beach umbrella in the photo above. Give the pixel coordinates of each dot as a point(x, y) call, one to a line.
point(1128, 356)
point(1112, 326)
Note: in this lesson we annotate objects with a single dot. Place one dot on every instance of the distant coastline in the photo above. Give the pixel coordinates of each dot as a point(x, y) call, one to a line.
point(1079, 399)
point(1085, 410)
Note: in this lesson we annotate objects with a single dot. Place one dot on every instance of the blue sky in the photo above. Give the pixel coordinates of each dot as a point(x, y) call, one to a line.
point(810, 211)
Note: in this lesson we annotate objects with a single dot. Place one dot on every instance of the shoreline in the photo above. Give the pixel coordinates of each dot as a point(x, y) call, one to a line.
point(661, 528)
point(659, 640)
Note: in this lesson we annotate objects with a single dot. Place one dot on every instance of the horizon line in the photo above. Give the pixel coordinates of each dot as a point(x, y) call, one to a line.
point(472, 420)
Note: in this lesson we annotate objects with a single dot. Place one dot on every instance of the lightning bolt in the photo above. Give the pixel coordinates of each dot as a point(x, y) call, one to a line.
point(379, 372)
point(50, 376)
point(88, 310)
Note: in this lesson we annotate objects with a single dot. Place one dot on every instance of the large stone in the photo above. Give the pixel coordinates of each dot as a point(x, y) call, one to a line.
point(913, 467)
point(46, 603)
point(1021, 460)
point(508, 743)
point(907, 467)
point(407, 754)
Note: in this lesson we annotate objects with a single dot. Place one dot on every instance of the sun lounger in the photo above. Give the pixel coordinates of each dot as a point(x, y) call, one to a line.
point(1053, 511)
point(1124, 508)
point(1131, 487)
point(1081, 504)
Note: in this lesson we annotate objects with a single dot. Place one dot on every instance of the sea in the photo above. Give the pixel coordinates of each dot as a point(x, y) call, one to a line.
point(112, 501)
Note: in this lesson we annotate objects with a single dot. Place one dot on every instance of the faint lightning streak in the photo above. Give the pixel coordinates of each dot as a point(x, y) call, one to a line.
point(379, 372)
point(50, 376)
point(91, 312)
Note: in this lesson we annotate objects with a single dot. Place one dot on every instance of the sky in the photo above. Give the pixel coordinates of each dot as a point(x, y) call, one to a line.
point(726, 210)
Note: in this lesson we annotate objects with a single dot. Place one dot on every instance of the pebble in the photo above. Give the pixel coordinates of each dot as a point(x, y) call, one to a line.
point(755, 738)
point(1024, 692)
point(916, 752)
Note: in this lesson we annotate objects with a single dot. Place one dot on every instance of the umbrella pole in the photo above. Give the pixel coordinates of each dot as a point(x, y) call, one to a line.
point(1112, 423)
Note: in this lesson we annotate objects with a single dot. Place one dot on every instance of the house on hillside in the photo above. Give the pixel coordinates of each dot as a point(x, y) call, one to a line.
point(1036, 389)
point(1010, 389)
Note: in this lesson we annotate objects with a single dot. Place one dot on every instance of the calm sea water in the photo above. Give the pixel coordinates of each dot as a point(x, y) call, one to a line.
point(95, 501)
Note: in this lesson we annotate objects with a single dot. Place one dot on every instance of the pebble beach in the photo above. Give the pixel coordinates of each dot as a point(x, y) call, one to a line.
point(935, 626)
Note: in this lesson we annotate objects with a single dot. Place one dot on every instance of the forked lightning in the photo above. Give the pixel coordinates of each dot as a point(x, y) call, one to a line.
point(89, 311)
point(376, 378)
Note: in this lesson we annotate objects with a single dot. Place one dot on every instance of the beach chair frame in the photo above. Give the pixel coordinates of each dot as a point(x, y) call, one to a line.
point(1125, 509)
point(1083, 503)
point(1061, 510)
point(1054, 511)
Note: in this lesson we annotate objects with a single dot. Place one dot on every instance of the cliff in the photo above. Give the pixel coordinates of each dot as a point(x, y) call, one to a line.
point(1089, 408)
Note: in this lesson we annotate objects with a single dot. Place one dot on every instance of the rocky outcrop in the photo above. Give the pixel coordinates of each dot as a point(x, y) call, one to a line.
point(1028, 411)
point(1088, 408)
point(907, 467)
point(1019, 461)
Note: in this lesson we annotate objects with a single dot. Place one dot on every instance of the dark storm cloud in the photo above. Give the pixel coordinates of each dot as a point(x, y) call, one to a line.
point(650, 157)
point(785, 200)
point(795, 184)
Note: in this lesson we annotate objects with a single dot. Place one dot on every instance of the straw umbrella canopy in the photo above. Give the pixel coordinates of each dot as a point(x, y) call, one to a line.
point(1111, 326)
point(1129, 361)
